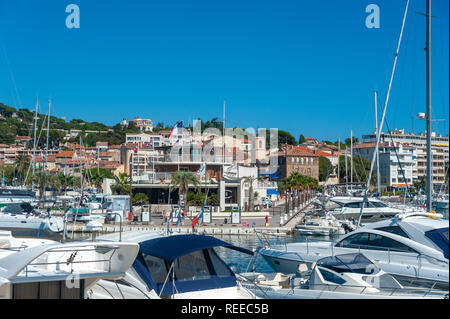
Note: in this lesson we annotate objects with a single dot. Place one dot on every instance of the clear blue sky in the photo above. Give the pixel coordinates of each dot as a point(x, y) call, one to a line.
point(308, 67)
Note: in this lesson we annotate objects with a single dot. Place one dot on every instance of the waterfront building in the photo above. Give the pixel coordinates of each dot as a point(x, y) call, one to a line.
point(417, 144)
point(297, 159)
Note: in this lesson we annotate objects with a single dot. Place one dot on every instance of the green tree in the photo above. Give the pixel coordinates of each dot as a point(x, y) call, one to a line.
point(96, 177)
point(43, 180)
point(301, 139)
point(65, 181)
point(286, 137)
point(361, 168)
point(7, 173)
point(324, 168)
point(21, 164)
point(122, 184)
point(183, 180)
point(140, 199)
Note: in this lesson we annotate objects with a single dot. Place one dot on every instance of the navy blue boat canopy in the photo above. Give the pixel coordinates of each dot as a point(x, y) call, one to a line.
point(352, 262)
point(173, 247)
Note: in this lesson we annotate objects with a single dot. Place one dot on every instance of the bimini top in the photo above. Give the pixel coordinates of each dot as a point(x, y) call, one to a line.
point(354, 262)
point(173, 247)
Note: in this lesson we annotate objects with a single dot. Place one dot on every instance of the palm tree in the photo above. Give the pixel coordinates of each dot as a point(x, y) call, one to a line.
point(122, 186)
point(65, 181)
point(42, 179)
point(182, 180)
point(22, 163)
point(97, 176)
point(251, 195)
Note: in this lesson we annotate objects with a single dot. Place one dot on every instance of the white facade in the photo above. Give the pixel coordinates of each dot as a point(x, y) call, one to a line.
point(390, 171)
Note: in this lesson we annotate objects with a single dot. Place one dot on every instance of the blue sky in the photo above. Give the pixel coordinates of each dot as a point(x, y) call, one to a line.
point(307, 67)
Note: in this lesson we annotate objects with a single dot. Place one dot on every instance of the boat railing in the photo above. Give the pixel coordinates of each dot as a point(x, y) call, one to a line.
point(270, 240)
point(355, 289)
point(73, 253)
point(18, 248)
point(391, 291)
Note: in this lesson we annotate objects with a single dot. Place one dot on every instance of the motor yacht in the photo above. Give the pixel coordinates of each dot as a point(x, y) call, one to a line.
point(346, 276)
point(412, 247)
point(323, 226)
point(43, 269)
point(374, 210)
point(179, 266)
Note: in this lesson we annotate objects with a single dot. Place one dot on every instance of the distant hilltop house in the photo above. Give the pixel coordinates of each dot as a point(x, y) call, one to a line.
point(145, 125)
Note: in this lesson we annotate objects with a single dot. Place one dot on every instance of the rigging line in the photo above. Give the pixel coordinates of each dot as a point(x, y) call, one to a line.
point(413, 95)
point(398, 159)
point(384, 112)
point(402, 66)
point(12, 76)
point(440, 62)
point(37, 143)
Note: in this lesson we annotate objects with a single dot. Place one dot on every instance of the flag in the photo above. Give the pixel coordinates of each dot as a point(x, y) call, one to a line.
point(196, 218)
point(178, 217)
point(202, 169)
point(177, 129)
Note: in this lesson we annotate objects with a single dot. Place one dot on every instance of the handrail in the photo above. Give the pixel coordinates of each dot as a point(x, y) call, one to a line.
point(71, 262)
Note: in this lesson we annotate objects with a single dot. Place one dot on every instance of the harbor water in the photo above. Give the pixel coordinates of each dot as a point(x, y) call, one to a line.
point(243, 262)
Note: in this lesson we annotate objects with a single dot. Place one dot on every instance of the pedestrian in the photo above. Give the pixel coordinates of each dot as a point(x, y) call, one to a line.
point(267, 220)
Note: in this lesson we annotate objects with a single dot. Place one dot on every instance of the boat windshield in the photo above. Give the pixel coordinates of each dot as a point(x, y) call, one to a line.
point(356, 263)
point(97, 199)
point(440, 238)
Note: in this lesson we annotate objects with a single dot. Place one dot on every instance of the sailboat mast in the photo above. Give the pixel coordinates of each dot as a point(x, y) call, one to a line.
point(346, 172)
point(351, 160)
point(428, 115)
point(34, 141)
point(383, 115)
point(377, 148)
point(338, 156)
point(48, 129)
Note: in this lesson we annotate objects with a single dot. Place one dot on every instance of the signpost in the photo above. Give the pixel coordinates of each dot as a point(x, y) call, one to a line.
point(206, 219)
point(235, 215)
point(146, 214)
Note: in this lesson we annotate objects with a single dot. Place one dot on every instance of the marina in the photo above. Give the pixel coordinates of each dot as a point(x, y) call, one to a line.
point(216, 209)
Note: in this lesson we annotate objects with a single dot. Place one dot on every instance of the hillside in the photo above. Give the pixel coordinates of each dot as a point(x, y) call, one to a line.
point(19, 122)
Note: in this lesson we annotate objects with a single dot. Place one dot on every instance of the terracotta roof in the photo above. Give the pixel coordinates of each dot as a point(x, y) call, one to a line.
point(65, 154)
point(23, 138)
point(51, 158)
point(324, 154)
point(109, 164)
point(297, 152)
point(366, 145)
point(106, 154)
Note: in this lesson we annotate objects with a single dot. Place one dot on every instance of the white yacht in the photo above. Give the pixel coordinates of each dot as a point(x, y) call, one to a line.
point(348, 276)
point(44, 269)
point(412, 247)
point(23, 221)
point(374, 209)
point(441, 201)
point(178, 266)
point(323, 226)
point(11, 194)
